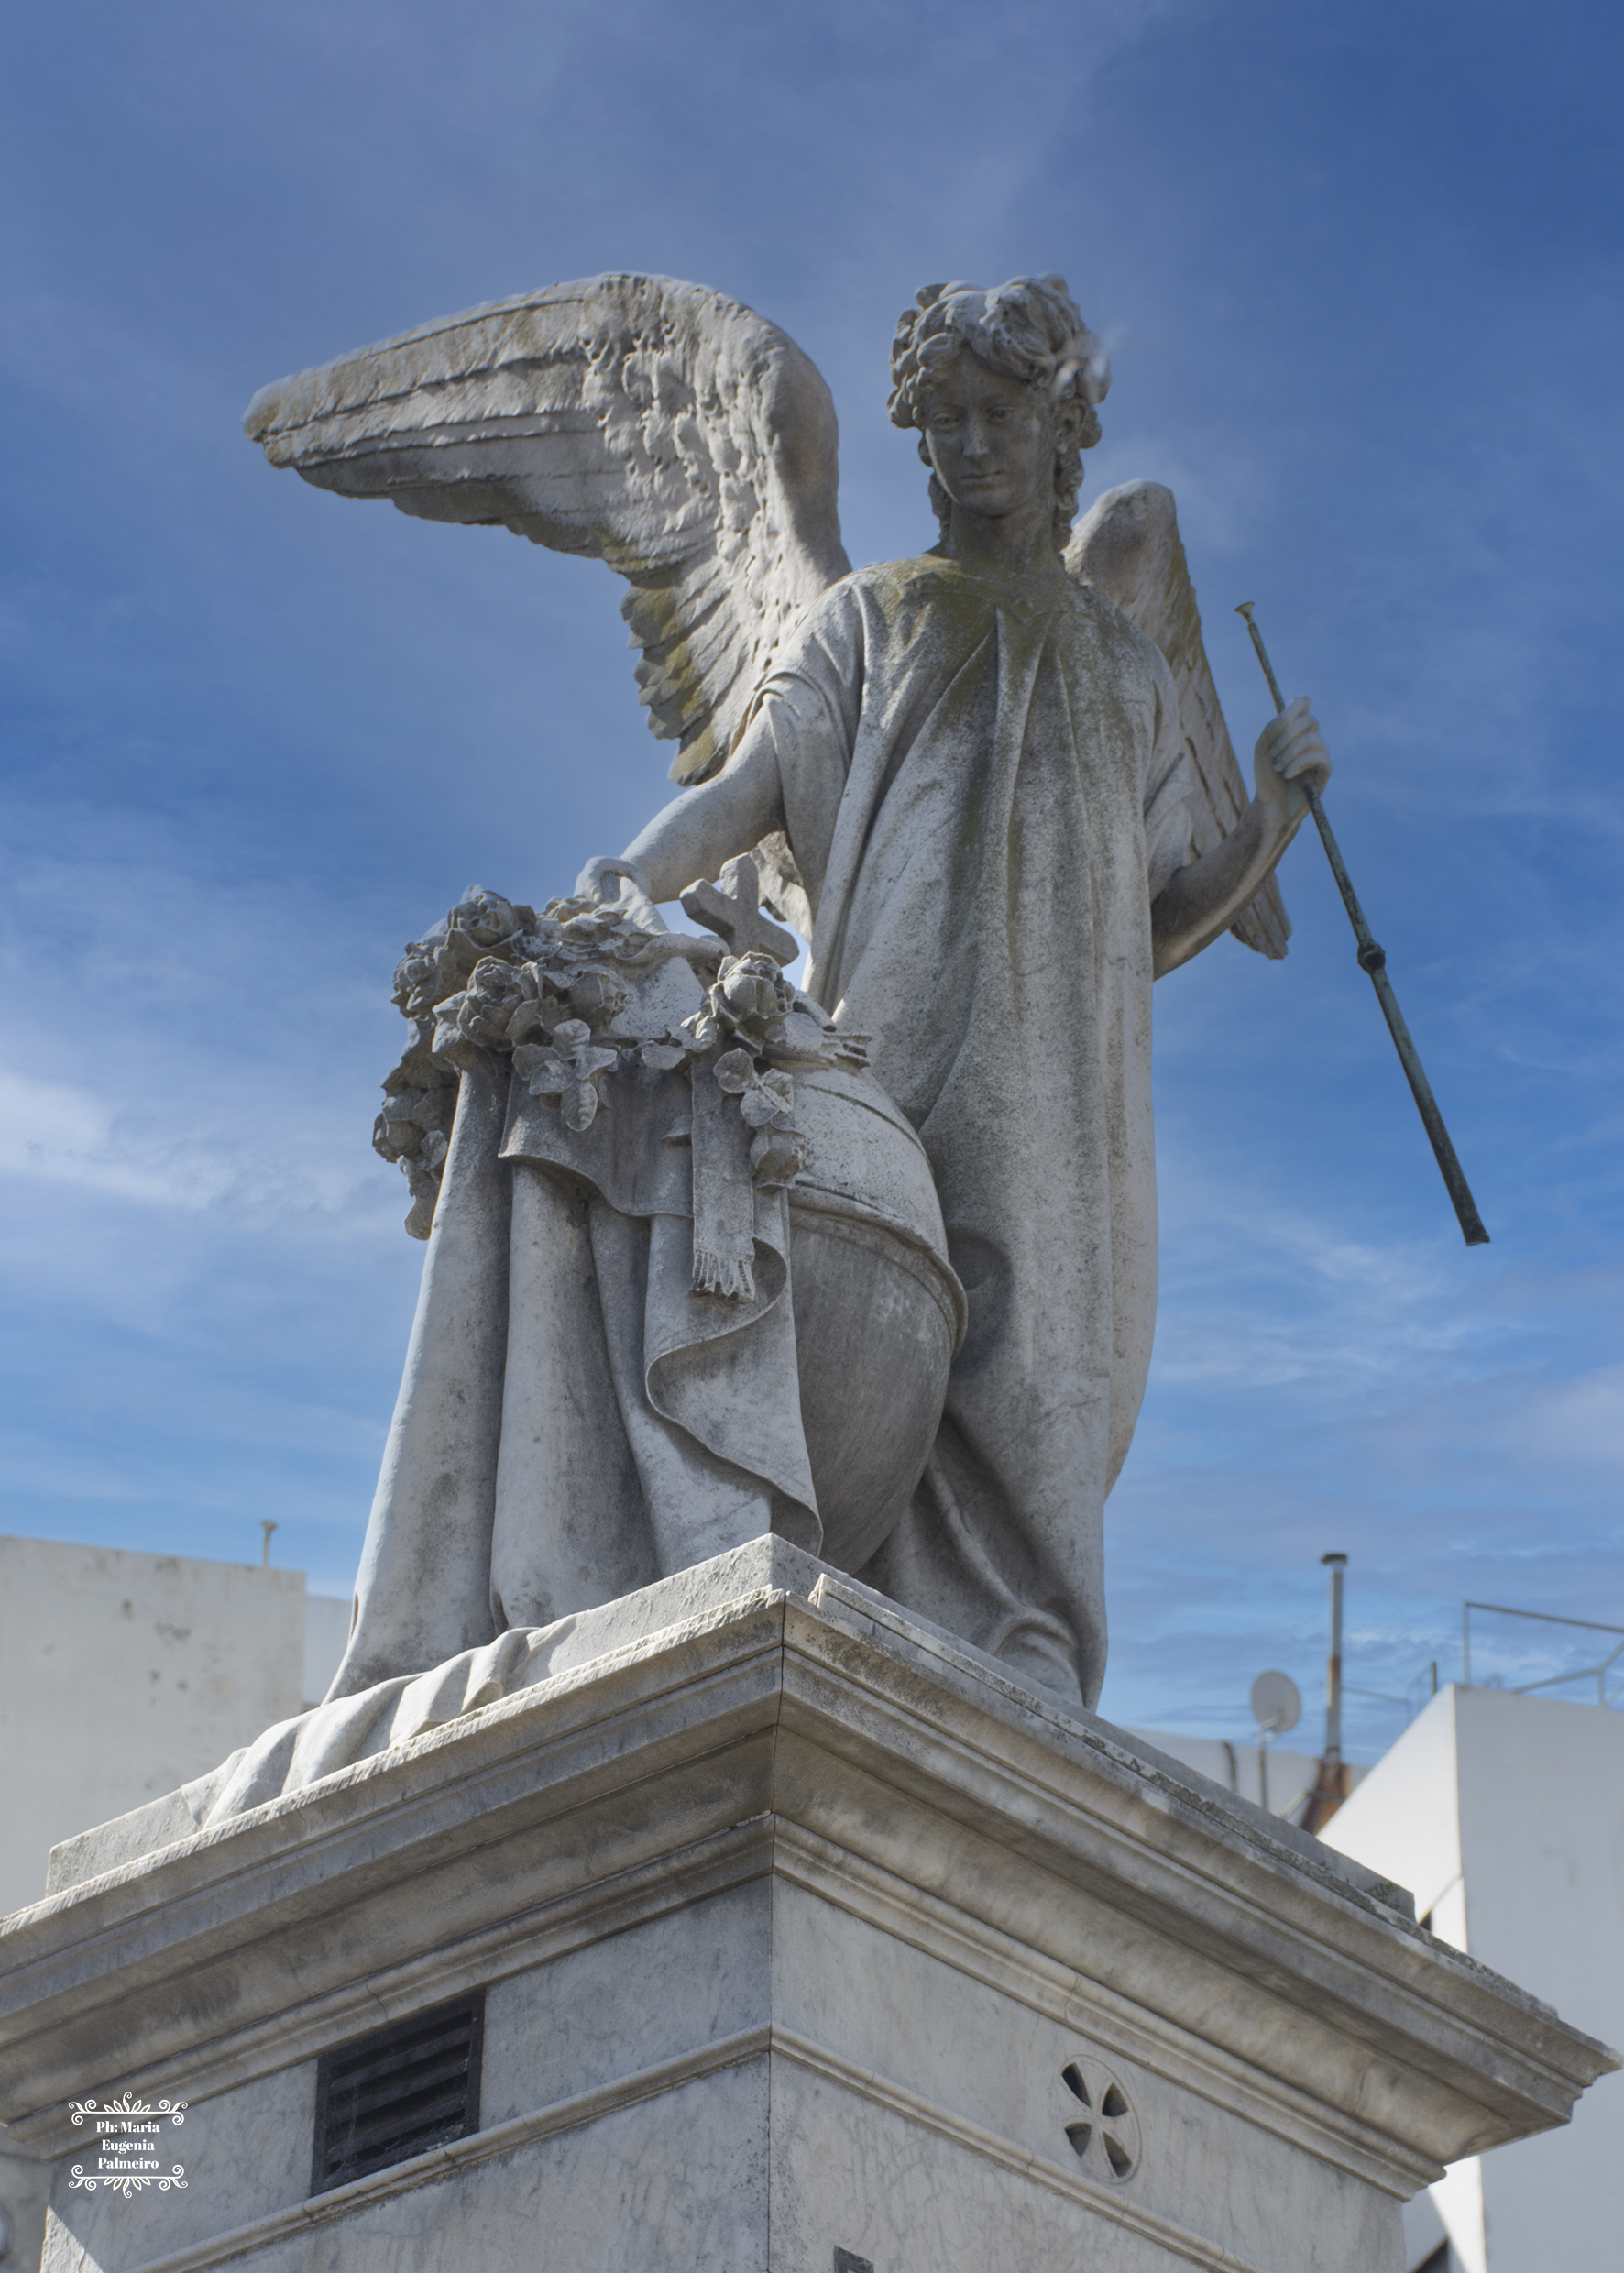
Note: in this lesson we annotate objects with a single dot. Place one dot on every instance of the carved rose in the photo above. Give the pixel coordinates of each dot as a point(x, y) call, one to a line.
point(410, 1117)
point(751, 995)
point(432, 969)
point(598, 997)
point(752, 1004)
point(438, 967)
point(494, 994)
point(585, 928)
point(488, 918)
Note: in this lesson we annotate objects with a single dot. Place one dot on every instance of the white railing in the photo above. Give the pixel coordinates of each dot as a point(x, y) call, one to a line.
point(1606, 1671)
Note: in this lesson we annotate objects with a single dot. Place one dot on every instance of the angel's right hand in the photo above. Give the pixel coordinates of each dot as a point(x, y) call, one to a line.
point(591, 882)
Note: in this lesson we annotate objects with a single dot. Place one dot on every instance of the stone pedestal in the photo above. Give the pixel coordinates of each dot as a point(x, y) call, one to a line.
point(806, 1940)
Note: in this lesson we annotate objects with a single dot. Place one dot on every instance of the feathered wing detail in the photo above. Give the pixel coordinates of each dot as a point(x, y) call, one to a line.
point(1128, 546)
point(654, 425)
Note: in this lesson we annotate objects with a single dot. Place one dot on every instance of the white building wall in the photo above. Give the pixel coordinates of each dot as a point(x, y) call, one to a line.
point(124, 1675)
point(1281, 1786)
point(1504, 1816)
point(326, 1633)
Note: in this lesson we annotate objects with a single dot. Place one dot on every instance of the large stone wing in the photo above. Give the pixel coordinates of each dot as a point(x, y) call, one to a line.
point(654, 425)
point(1128, 546)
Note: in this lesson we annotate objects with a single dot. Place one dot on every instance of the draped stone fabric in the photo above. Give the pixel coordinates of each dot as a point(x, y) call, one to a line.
point(983, 786)
point(982, 783)
point(574, 1421)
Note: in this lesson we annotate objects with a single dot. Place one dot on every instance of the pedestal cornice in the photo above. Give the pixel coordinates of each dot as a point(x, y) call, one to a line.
point(805, 1732)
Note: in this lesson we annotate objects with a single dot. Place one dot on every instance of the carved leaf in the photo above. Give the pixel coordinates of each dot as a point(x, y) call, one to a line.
point(526, 1020)
point(768, 1101)
point(798, 1038)
point(580, 1106)
point(735, 1070)
point(543, 1072)
point(778, 1155)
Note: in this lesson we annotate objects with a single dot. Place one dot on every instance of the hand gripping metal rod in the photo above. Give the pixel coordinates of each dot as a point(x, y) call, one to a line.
point(1373, 961)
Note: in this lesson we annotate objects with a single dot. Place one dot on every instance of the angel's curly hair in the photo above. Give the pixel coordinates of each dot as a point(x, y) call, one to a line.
point(1030, 329)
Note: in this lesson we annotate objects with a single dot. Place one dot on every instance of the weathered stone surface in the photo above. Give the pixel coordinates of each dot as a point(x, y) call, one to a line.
point(656, 425)
point(792, 1915)
point(25, 2191)
point(628, 1356)
point(1128, 544)
point(973, 781)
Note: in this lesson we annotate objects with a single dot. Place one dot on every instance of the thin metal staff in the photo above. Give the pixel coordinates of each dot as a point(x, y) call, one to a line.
point(1373, 961)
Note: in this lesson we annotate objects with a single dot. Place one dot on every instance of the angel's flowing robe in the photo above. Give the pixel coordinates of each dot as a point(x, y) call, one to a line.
point(983, 785)
point(983, 782)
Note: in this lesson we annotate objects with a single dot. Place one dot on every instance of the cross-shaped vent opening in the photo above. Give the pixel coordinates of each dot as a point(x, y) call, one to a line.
point(1102, 2121)
point(398, 2092)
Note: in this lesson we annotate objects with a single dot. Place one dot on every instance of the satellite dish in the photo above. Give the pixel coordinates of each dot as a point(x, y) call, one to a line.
point(1275, 1703)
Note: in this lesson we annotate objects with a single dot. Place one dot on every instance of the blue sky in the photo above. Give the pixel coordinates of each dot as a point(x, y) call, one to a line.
point(1358, 269)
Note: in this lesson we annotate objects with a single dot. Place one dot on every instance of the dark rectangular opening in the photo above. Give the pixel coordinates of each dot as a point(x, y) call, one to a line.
point(397, 2091)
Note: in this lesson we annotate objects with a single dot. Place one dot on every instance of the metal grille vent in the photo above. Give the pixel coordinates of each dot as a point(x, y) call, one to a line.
point(398, 2092)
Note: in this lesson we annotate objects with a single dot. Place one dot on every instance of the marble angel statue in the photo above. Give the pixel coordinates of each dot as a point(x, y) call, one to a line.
point(870, 1261)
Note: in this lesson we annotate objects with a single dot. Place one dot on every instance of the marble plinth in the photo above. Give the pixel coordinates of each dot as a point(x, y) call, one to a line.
point(791, 1918)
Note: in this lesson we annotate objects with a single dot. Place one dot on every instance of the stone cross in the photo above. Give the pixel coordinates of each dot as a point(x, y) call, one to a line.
point(732, 910)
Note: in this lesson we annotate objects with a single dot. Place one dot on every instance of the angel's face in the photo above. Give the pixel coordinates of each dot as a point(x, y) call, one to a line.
point(992, 439)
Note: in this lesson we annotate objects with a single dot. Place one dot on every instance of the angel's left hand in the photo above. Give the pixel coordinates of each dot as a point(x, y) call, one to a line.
point(1290, 757)
point(595, 880)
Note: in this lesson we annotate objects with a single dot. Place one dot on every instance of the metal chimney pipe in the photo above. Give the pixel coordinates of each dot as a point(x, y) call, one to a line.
point(1338, 1564)
point(1331, 1786)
